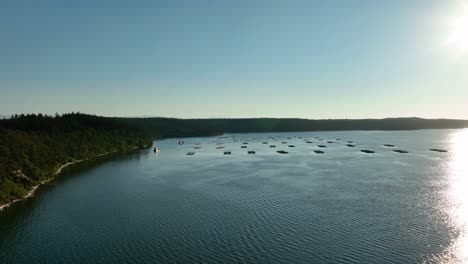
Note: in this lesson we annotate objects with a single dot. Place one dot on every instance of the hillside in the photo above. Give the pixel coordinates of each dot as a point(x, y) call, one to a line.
point(34, 147)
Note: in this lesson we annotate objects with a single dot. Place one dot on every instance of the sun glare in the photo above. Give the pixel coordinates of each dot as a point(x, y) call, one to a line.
point(459, 35)
point(458, 38)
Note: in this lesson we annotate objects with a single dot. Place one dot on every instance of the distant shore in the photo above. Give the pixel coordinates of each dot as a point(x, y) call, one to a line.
point(58, 171)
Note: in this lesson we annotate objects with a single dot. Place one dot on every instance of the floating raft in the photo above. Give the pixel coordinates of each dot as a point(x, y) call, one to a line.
point(291, 146)
point(321, 146)
point(227, 152)
point(251, 152)
point(219, 147)
point(265, 142)
point(282, 152)
point(351, 145)
point(400, 151)
point(284, 142)
point(245, 143)
point(243, 146)
point(191, 153)
point(350, 142)
point(330, 142)
point(439, 150)
point(319, 151)
point(367, 151)
point(197, 147)
point(272, 146)
point(309, 142)
point(389, 145)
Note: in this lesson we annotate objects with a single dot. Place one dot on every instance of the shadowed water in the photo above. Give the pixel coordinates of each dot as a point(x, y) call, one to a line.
point(342, 206)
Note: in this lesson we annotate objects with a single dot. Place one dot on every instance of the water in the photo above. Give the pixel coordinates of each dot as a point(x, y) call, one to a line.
point(343, 206)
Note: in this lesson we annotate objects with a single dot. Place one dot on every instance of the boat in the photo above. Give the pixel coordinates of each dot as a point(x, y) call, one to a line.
point(156, 150)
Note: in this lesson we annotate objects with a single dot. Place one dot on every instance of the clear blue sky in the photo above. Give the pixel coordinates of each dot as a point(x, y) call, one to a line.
point(252, 58)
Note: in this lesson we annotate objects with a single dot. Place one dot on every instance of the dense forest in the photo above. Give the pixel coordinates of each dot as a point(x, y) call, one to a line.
point(171, 127)
point(33, 147)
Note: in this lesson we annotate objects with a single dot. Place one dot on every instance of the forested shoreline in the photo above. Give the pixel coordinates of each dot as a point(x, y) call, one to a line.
point(33, 147)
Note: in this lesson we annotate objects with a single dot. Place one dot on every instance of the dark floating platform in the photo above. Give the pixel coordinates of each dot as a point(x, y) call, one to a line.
point(330, 142)
point(321, 146)
point(309, 142)
point(389, 145)
point(265, 142)
point(245, 143)
point(282, 152)
point(284, 142)
point(227, 152)
point(400, 151)
point(439, 150)
point(197, 147)
point(319, 151)
point(272, 146)
point(243, 146)
point(320, 139)
point(338, 139)
point(251, 152)
point(367, 151)
point(291, 146)
point(219, 147)
point(351, 145)
point(350, 142)
point(190, 153)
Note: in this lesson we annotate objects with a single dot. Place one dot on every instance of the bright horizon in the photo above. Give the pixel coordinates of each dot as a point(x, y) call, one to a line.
point(243, 59)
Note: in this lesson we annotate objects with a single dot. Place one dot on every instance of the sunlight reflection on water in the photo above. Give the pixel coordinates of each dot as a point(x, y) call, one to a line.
point(458, 195)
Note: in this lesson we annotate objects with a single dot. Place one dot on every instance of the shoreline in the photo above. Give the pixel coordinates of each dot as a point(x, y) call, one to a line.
point(31, 192)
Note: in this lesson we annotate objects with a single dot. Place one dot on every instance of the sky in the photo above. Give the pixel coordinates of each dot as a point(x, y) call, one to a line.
point(245, 58)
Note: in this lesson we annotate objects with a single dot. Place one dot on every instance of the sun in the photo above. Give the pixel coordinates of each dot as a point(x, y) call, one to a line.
point(458, 38)
point(459, 34)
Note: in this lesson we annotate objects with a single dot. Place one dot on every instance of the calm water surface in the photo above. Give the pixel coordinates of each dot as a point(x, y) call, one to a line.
point(343, 206)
